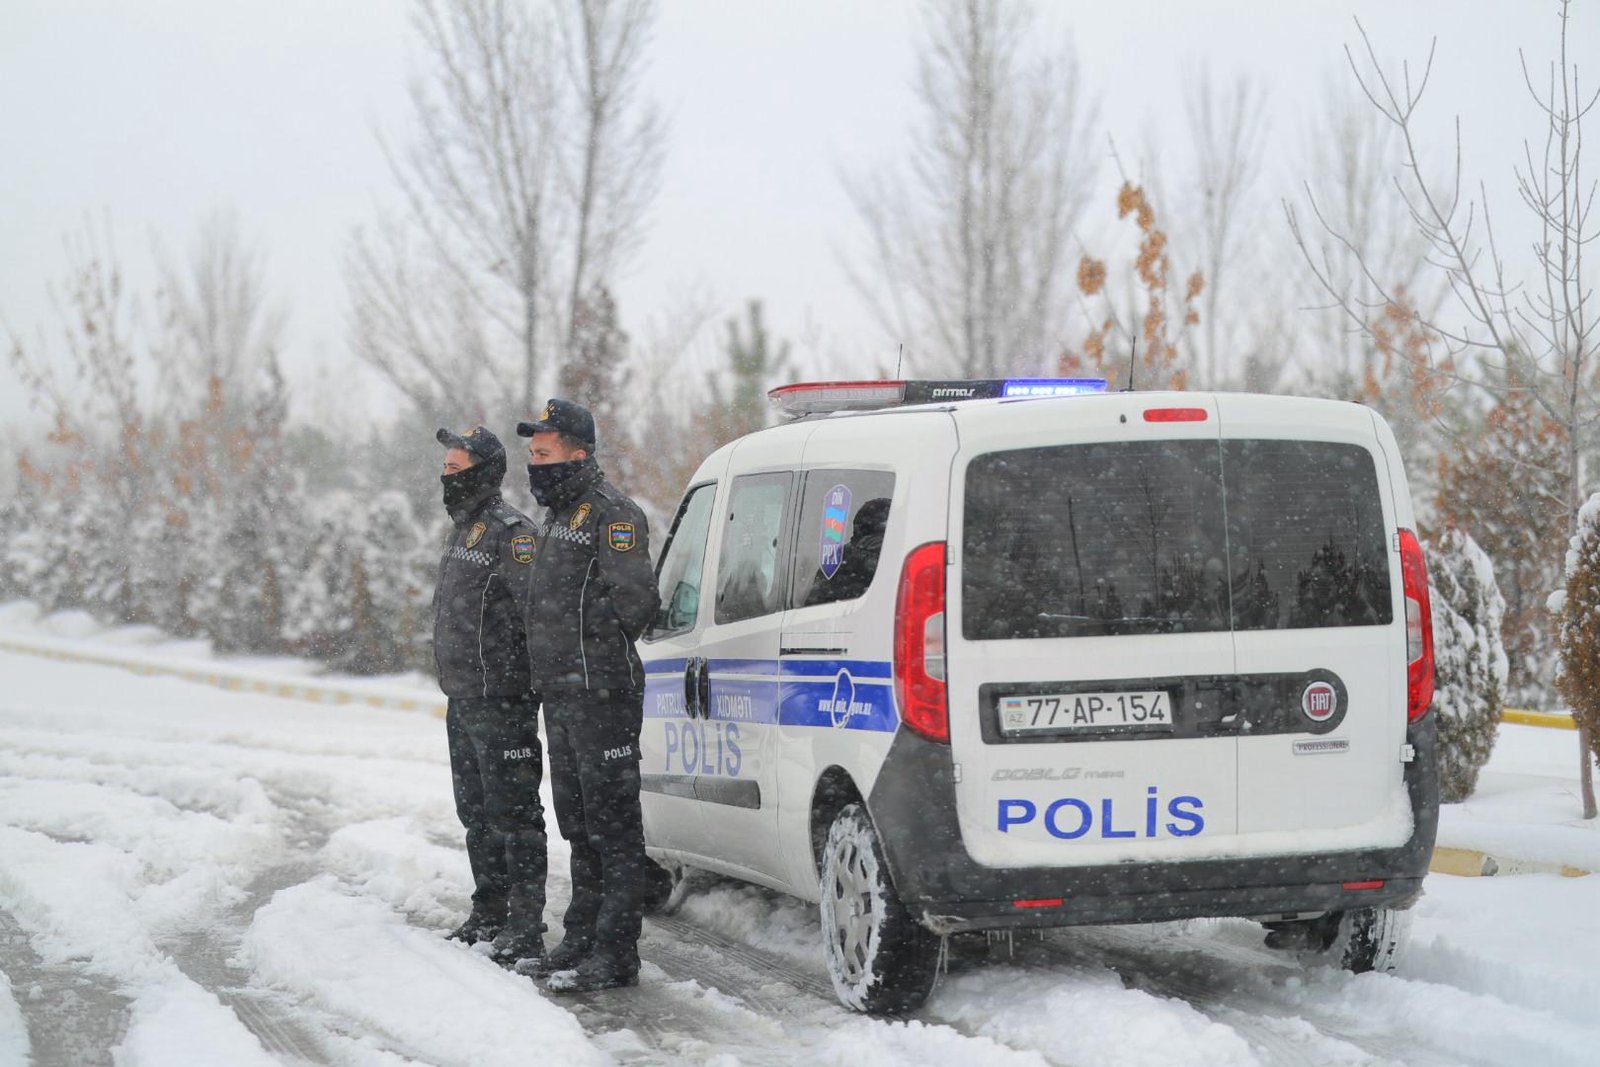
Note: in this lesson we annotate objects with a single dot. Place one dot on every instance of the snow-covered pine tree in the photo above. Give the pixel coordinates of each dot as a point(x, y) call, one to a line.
point(1577, 608)
point(1469, 659)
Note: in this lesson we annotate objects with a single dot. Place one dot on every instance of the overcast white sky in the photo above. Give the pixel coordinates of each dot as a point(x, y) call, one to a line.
point(155, 112)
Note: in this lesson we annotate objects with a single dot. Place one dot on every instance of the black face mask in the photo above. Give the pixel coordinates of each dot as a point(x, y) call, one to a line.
point(461, 487)
point(545, 479)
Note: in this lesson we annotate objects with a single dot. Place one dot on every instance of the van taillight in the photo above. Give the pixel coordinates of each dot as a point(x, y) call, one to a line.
point(1419, 628)
point(919, 643)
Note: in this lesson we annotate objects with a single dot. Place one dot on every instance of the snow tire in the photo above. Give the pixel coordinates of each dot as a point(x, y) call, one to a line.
point(882, 961)
point(1358, 940)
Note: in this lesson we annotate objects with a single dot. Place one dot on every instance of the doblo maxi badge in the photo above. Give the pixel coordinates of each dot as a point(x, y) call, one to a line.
point(522, 548)
point(619, 535)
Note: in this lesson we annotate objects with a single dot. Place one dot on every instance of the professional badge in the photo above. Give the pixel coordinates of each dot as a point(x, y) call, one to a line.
point(620, 536)
point(580, 516)
point(548, 410)
point(477, 533)
point(522, 548)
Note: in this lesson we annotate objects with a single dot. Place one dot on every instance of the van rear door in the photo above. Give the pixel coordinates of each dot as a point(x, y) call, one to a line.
point(1311, 530)
point(1087, 629)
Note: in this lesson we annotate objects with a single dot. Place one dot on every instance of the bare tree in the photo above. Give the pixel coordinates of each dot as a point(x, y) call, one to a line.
point(966, 256)
point(533, 165)
point(1541, 338)
point(223, 333)
point(1355, 154)
point(1227, 126)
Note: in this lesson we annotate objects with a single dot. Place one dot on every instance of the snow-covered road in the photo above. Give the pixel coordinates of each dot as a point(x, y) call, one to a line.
point(189, 876)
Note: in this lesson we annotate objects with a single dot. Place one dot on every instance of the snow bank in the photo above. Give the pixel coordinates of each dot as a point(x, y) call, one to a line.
point(356, 957)
point(389, 859)
point(1070, 1016)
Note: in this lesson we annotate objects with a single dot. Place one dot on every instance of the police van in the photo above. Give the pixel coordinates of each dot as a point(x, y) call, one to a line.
point(947, 657)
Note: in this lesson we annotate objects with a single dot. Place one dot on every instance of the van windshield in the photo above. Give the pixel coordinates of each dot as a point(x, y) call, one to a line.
point(1172, 537)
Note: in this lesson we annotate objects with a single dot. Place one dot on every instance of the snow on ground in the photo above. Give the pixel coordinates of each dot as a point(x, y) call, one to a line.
point(192, 876)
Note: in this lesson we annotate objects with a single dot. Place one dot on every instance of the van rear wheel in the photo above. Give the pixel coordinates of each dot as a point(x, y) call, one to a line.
point(1357, 940)
point(881, 960)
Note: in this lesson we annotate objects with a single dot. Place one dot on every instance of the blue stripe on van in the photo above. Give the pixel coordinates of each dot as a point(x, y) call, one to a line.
point(829, 693)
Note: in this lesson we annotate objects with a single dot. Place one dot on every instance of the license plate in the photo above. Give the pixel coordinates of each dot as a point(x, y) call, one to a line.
point(1056, 712)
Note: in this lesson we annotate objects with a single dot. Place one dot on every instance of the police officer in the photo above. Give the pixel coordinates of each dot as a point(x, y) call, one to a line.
point(592, 593)
point(492, 719)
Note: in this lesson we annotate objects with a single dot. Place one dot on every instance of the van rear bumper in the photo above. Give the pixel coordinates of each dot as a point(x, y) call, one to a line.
point(913, 806)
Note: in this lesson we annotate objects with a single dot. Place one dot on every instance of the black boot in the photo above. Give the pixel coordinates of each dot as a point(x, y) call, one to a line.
point(519, 949)
point(603, 969)
point(656, 896)
point(566, 956)
point(488, 918)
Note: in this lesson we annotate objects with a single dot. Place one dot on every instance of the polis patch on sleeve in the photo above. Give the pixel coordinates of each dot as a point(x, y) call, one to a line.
point(522, 548)
point(620, 536)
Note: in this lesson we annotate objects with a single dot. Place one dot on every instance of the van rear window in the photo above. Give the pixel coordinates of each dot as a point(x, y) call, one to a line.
point(1172, 537)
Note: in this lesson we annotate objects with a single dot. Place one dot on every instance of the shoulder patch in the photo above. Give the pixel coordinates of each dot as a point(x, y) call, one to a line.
point(509, 515)
point(522, 548)
point(621, 536)
point(580, 516)
point(476, 533)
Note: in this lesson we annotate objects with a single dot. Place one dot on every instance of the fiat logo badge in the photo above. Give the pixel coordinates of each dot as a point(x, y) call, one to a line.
point(1319, 701)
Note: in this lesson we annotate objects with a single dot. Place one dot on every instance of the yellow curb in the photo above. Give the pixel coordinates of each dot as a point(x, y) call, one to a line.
point(222, 680)
point(1559, 720)
point(1470, 863)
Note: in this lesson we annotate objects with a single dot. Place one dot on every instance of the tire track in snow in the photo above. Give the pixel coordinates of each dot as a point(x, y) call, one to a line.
point(1238, 986)
point(74, 1019)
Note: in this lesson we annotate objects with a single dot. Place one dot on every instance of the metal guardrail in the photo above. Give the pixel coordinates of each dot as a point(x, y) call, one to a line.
point(233, 679)
point(1560, 720)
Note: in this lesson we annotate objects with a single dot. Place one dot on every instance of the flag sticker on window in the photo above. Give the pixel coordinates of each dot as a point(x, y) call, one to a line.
point(835, 516)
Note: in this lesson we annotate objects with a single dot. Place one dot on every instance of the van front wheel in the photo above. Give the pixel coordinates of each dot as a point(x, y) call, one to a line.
point(881, 960)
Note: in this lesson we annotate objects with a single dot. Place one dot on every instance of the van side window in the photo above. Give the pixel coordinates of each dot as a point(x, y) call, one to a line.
point(682, 564)
point(843, 514)
point(749, 582)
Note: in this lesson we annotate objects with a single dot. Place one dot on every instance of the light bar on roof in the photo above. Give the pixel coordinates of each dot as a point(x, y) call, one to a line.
point(815, 398)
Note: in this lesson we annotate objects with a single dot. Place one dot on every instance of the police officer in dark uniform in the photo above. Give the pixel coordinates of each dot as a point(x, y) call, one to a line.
point(592, 593)
point(492, 721)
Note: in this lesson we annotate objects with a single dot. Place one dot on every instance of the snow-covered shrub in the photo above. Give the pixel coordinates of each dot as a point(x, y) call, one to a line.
point(1469, 659)
point(1578, 609)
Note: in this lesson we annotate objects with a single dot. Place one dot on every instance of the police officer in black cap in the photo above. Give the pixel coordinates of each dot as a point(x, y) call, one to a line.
point(481, 651)
point(592, 593)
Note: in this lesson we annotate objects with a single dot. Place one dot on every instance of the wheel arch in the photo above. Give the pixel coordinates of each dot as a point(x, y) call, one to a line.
point(834, 790)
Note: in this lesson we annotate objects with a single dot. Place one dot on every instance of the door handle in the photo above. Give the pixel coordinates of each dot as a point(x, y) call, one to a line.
point(690, 689)
point(703, 688)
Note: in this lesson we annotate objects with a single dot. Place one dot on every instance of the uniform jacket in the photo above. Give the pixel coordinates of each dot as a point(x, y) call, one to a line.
point(478, 641)
point(592, 588)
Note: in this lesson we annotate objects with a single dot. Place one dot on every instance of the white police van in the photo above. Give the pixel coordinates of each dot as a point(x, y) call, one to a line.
point(976, 656)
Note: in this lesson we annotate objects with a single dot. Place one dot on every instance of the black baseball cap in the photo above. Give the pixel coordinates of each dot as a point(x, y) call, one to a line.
point(478, 440)
point(562, 416)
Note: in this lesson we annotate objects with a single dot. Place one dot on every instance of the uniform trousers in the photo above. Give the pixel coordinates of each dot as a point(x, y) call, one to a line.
point(594, 786)
point(495, 762)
